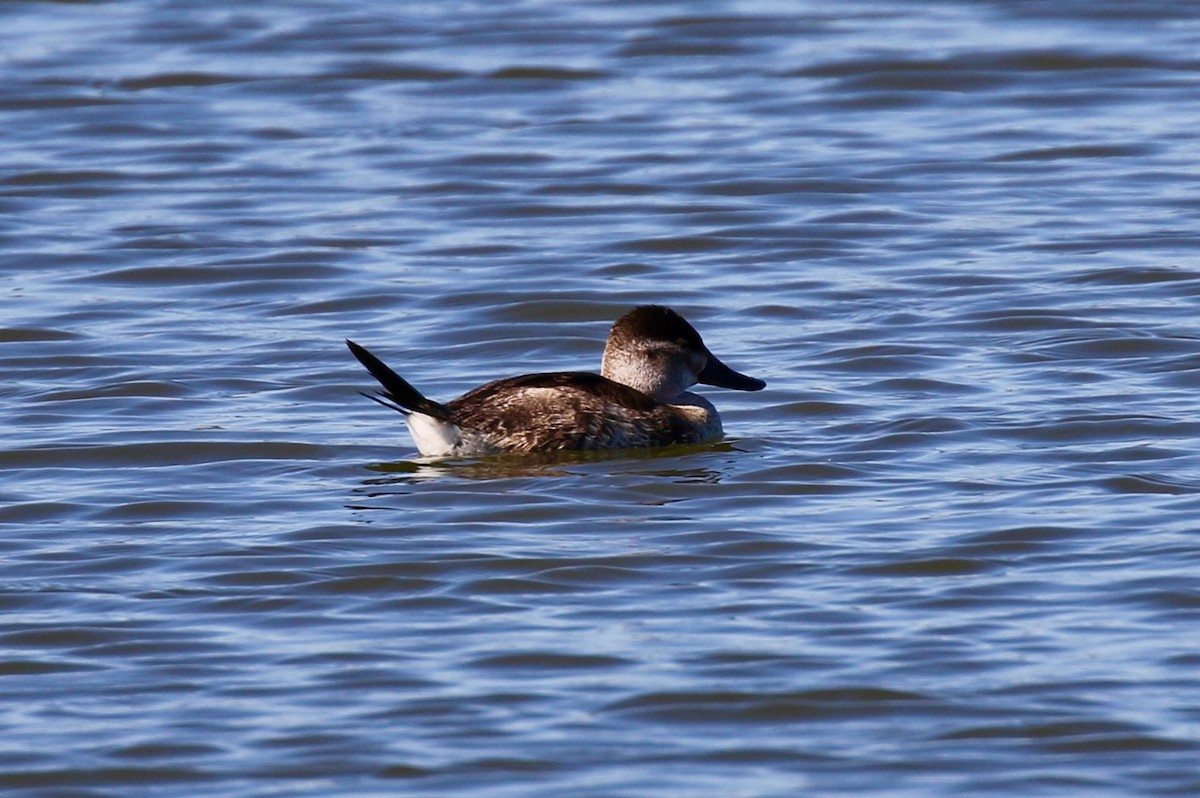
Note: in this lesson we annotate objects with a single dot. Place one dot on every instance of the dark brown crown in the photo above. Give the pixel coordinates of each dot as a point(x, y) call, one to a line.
point(656, 323)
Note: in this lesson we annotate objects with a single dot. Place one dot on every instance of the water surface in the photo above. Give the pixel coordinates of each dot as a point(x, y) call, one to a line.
point(951, 550)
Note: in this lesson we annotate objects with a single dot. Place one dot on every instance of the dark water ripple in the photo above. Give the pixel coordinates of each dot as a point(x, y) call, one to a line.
point(951, 550)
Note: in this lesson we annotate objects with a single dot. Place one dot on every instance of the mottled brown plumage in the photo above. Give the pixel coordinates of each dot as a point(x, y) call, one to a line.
point(568, 411)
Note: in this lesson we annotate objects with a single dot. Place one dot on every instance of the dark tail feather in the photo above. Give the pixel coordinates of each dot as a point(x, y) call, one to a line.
point(380, 398)
point(395, 388)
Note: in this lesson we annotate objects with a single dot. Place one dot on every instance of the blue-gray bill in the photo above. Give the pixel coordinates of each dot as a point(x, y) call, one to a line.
point(717, 373)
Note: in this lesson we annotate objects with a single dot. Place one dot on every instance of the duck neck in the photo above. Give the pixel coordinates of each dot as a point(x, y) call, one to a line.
point(700, 413)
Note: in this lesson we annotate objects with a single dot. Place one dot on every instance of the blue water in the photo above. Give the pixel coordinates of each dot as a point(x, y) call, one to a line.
point(951, 550)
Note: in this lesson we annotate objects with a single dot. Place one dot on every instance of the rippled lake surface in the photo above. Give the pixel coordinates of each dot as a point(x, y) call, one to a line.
point(952, 549)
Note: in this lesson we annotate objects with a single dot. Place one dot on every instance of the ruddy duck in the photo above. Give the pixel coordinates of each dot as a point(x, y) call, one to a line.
point(639, 398)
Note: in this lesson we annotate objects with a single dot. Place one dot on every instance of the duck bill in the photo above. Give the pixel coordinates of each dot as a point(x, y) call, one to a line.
point(717, 373)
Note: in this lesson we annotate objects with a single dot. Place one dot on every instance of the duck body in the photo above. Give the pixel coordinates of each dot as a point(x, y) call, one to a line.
point(569, 411)
point(639, 400)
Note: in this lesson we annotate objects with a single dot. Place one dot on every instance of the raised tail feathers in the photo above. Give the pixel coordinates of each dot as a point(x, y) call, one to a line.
point(395, 388)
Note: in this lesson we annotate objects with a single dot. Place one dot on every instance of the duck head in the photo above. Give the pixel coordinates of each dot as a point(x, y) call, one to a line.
point(654, 349)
